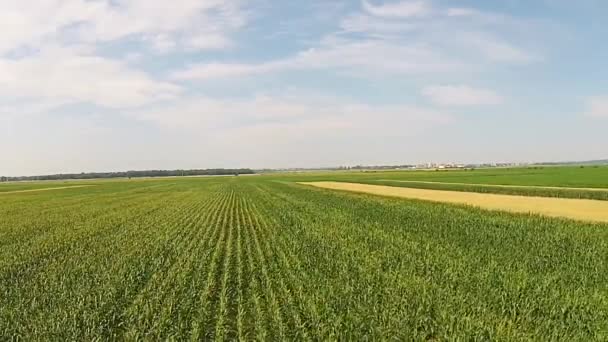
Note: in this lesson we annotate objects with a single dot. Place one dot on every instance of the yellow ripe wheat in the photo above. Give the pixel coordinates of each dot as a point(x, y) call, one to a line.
point(578, 209)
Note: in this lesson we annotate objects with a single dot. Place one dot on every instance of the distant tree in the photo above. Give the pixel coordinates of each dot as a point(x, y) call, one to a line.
point(136, 174)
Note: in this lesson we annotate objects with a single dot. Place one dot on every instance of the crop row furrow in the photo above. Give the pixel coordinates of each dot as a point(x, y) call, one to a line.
point(153, 251)
point(290, 243)
point(157, 302)
point(46, 248)
point(283, 272)
point(289, 280)
point(204, 318)
point(114, 250)
point(243, 315)
point(222, 325)
point(204, 262)
point(256, 302)
point(278, 324)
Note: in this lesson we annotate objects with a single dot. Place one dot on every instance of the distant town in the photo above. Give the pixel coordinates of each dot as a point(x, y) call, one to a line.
point(425, 166)
point(437, 166)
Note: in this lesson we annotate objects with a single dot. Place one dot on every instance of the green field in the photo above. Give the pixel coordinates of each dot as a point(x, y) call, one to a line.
point(579, 177)
point(519, 180)
point(265, 258)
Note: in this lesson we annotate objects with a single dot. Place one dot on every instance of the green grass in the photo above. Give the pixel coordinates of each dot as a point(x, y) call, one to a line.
point(587, 177)
point(25, 186)
point(265, 258)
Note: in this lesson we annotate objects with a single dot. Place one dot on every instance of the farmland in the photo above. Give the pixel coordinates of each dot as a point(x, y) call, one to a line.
point(270, 259)
point(577, 209)
point(575, 177)
point(518, 190)
point(27, 187)
point(560, 182)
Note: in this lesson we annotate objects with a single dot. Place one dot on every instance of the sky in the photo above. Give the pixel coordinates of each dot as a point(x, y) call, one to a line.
point(110, 85)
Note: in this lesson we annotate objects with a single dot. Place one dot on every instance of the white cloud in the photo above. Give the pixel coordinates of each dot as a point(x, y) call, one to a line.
point(72, 75)
point(388, 45)
point(461, 12)
point(133, 57)
point(220, 70)
point(270, 130)
point(478, 48)
point(364, 58)
point(495, 49)
point(201, 24)
point(364, 23)
point(402, 9)
point(27, 23)
point(477, 36)
point(326, 132)
point(53, 50)
point(161, 43)
point(207, 42)
point(288, 110)
point(461, 95)
point(14, 109)
point(597, 107)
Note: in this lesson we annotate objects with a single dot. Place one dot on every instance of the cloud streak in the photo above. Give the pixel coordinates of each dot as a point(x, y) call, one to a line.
point(400, 38)
point(341, 56)
point(402, 9)
point(461, 95)
point(597, 107)
point(287, 110)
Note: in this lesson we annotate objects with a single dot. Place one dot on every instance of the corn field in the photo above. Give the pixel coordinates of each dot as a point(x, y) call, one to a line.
point(257, 258)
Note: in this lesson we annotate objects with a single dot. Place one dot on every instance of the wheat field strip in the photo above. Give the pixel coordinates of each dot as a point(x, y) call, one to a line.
point(578, 209)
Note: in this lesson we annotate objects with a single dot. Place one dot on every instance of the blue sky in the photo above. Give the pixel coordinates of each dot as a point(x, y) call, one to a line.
point(100, 85)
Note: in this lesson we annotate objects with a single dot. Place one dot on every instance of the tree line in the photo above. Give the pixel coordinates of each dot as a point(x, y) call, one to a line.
point(132, 174)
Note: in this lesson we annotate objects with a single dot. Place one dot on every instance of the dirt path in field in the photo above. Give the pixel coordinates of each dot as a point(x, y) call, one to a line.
point(45, 189)
point(578, 209)
point(499, 185)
